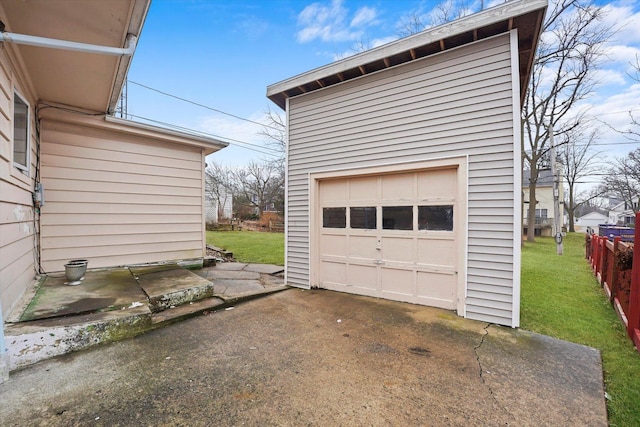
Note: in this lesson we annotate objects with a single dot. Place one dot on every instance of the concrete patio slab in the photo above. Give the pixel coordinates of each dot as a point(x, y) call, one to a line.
point(101, 289)
point(214, 274)
point(233, 288)
point(233, 266)
point(171, 285)
point(264, 268)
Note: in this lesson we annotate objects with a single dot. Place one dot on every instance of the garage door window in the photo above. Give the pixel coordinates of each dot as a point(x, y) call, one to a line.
point(397, 217)
point(334, 217)
point(435, 218)
point(363, 218)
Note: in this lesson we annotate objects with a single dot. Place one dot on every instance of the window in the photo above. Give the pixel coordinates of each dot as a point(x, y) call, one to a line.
point(363, 218)
point(435, 218)
point(20, 133)
point(541, 213)
point(334, 217)
point(397, 217)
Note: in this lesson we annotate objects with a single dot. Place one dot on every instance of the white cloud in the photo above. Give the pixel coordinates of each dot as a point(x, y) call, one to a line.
point(329, 22)
point(364, 16)
point(608, 76)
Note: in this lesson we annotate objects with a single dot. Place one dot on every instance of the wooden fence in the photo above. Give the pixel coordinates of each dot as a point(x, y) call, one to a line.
point(617, 267)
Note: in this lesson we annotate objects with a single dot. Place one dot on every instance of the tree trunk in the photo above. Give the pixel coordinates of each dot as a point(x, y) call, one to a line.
point(531, 217)
point(570, 210)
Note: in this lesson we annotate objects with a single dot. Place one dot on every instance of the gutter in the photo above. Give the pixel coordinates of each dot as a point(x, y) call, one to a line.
point(128, 50)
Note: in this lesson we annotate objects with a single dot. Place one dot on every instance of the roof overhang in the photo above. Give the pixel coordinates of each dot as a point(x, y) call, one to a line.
point(88, 81)
point(524, 15)
point(131, 128)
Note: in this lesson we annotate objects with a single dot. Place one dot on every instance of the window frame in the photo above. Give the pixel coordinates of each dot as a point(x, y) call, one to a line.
point(27, 166)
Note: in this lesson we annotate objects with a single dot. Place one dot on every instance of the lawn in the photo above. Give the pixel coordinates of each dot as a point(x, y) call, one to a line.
point(561, 298)
point(250, 246)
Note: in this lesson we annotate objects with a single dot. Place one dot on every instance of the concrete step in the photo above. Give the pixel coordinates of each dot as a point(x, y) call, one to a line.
point(186, 311)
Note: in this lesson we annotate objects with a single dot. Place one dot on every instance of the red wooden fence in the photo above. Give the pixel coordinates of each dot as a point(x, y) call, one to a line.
point(617, 267)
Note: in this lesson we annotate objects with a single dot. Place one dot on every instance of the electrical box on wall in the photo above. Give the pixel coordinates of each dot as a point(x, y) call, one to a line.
point(38, 196)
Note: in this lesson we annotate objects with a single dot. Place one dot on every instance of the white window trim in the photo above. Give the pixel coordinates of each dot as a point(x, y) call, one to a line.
point(23, 168)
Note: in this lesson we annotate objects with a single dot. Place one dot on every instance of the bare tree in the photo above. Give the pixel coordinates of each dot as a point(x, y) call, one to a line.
point(623, 178)
point(443, 12)
point(260, 184)
point(276, 131)
point(578, 160)
point(219, 185)
point(570, 50)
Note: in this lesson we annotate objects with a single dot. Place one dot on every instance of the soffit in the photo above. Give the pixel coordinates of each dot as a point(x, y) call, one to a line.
point(86, 80)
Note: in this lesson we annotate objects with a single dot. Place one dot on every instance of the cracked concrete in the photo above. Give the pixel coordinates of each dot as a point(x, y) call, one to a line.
point(316, 358)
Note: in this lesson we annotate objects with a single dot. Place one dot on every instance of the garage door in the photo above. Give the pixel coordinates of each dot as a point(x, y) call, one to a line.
point(392, 236)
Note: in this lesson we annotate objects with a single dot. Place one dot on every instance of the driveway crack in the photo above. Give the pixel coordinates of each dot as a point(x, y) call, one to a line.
point(480, 368)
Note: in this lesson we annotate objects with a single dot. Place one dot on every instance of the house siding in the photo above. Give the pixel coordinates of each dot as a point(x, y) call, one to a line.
point(17, 261)
point(457, 103)
point(118, 199)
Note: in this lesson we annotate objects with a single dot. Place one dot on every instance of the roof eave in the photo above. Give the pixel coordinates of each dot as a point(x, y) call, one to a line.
point(408, 49)
point(139, 12)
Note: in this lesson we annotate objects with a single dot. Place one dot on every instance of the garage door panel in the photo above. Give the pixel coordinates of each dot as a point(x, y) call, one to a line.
point(361, 189)
point(333, 245)
point(363, 247)
point(436, 285)
point(334, 272)
point(439, 184)
point(436, 252)
point(363, 276)
point(335, 191)
point(398, 249)
point(397, 281)
point(397, 186)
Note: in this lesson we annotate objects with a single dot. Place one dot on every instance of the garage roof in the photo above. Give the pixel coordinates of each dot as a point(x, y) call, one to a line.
point(524, 15)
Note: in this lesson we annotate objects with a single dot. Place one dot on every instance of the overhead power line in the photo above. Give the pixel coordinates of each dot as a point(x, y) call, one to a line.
point(201, 105)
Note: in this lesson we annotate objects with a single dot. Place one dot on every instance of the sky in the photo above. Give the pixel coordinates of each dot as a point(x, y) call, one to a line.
point(223, 55)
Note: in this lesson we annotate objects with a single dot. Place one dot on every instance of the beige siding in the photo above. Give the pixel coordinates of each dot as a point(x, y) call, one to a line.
point(118, 199)
point(459, 103)
point(17, 226)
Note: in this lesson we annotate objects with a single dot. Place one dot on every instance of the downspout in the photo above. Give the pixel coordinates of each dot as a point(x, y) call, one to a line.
point(68, 45)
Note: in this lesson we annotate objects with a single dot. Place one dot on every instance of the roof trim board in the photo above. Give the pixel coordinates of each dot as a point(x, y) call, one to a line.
point(524, 15)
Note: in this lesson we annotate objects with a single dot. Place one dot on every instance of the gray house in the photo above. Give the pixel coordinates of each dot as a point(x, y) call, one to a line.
point(404, 166)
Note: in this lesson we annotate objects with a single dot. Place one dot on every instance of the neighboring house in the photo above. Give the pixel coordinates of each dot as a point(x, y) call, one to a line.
point(404, 166)
point(75, 182)
point(589, 222)
point(624, 213)
point(218, 210)
point(544, 202)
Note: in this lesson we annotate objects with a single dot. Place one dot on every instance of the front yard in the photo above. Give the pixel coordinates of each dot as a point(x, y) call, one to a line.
point(250, 246)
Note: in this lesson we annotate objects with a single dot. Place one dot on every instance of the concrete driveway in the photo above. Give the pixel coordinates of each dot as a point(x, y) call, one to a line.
point(316, 358)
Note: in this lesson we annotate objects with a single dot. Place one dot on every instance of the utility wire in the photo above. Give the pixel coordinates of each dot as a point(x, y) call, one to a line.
point(201, 105)
point(235, 142)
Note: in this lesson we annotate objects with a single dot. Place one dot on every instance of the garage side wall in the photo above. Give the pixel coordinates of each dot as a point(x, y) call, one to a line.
point(458, 103)
point(118, 199)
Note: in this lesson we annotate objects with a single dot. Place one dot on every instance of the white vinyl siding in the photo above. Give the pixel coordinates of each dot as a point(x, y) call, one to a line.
point(116, 199)
point(17, 226)
point(457, 103)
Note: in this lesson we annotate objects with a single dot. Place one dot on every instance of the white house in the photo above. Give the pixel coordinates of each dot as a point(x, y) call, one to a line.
point(218, 209)
point(544, 201)
point(623, 213)
point(404, 166)
point(590, 221)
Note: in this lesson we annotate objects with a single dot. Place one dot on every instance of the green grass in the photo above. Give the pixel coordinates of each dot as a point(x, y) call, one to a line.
point(250, 246)
point(561, 298)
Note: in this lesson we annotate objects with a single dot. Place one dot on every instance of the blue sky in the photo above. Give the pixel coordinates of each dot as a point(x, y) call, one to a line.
point(223, 54)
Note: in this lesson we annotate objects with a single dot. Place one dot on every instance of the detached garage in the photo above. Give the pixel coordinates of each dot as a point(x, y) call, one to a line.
point(404, 166)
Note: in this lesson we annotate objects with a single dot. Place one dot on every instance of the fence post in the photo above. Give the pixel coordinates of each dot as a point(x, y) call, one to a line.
point(602, 259)
point(633, 326)
point(613, 286)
